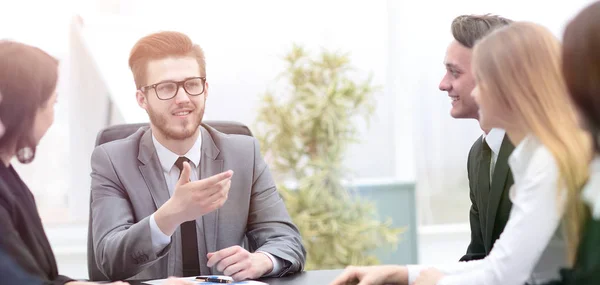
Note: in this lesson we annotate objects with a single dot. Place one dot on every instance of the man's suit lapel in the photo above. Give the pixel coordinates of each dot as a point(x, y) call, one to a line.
point(209, 166)
point(499, 178)
point(155, 180)
point(482, 185)
point(152, 171)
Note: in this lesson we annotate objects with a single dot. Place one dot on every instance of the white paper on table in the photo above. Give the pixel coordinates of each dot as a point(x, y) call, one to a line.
point(193, 280)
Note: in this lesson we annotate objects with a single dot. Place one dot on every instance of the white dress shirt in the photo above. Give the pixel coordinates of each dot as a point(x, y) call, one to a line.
point(167, 161)
point(531, 248)
point(494, 140)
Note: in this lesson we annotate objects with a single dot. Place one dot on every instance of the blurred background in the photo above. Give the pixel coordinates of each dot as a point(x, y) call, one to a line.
point(411, 145)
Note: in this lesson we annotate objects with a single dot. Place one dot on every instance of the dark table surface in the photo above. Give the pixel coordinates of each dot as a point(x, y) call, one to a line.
point(314, 277)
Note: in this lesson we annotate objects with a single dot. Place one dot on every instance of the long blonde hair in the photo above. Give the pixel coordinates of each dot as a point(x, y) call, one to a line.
point(521, 65)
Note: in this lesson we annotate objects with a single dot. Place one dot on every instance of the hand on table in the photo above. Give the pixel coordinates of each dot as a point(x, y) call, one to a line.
point(240, 264)
point(373, 275)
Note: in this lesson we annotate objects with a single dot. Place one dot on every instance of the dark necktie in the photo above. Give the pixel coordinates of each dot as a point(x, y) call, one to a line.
point(484, 167)
point(191, 264)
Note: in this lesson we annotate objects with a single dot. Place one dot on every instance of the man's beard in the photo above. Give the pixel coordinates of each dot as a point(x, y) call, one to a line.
point(176, 132)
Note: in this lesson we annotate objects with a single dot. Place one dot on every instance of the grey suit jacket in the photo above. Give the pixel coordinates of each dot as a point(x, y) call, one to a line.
point(128, 185)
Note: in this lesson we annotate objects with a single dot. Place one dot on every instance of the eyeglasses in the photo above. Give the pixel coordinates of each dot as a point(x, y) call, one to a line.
point(166, 90)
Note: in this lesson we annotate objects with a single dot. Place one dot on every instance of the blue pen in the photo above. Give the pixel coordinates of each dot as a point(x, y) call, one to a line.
point(213, 279)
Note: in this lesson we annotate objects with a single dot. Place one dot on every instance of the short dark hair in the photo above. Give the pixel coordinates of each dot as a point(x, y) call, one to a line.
point(581, 66)
point(28, 78)
point(468, 29)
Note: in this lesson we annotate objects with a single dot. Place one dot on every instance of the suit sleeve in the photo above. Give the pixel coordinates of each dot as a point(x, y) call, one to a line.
point(270, 228)
point(476, 249)
point(22, 260)
point(122, 247)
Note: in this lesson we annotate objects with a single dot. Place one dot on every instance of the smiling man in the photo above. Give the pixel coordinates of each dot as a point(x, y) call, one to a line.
point(180, 198)
point(487, 166)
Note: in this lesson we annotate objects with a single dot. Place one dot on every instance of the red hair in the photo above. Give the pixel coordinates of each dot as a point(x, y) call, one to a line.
point(162, 45)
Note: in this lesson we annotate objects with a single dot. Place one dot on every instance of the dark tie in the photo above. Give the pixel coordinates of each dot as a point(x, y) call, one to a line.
point(484, 167)
point(191, 264)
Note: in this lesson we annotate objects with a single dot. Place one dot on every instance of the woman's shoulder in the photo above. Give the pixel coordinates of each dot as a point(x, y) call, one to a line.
point(7, 182)
point(7, 197)
point(532, 159)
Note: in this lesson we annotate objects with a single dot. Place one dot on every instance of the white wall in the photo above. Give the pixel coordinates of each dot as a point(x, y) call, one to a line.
point(45, 24)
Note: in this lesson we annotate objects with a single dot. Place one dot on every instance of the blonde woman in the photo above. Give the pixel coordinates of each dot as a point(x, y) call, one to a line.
point(520, 89)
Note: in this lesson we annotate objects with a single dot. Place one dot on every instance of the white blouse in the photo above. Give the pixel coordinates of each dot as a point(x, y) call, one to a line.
point(531, 248)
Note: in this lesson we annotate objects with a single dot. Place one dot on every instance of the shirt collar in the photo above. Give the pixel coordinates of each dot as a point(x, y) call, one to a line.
point(494, 139)
point(167, 158)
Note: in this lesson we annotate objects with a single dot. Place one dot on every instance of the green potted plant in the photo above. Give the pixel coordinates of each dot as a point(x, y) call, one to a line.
point(305, 129)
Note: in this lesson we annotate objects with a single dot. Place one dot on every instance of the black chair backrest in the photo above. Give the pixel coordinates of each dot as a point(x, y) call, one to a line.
point(117, 132)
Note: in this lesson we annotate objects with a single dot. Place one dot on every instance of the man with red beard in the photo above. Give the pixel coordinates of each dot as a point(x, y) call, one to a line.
point(180, 198)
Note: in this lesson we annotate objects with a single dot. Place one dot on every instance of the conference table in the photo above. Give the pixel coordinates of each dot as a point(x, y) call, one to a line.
point(316, 277)
point(313, 277)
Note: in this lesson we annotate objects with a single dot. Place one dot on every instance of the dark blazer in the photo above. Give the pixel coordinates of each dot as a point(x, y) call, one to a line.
point(586, 270)
point(489, 209)
point(23, 237)
point(12, 273)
